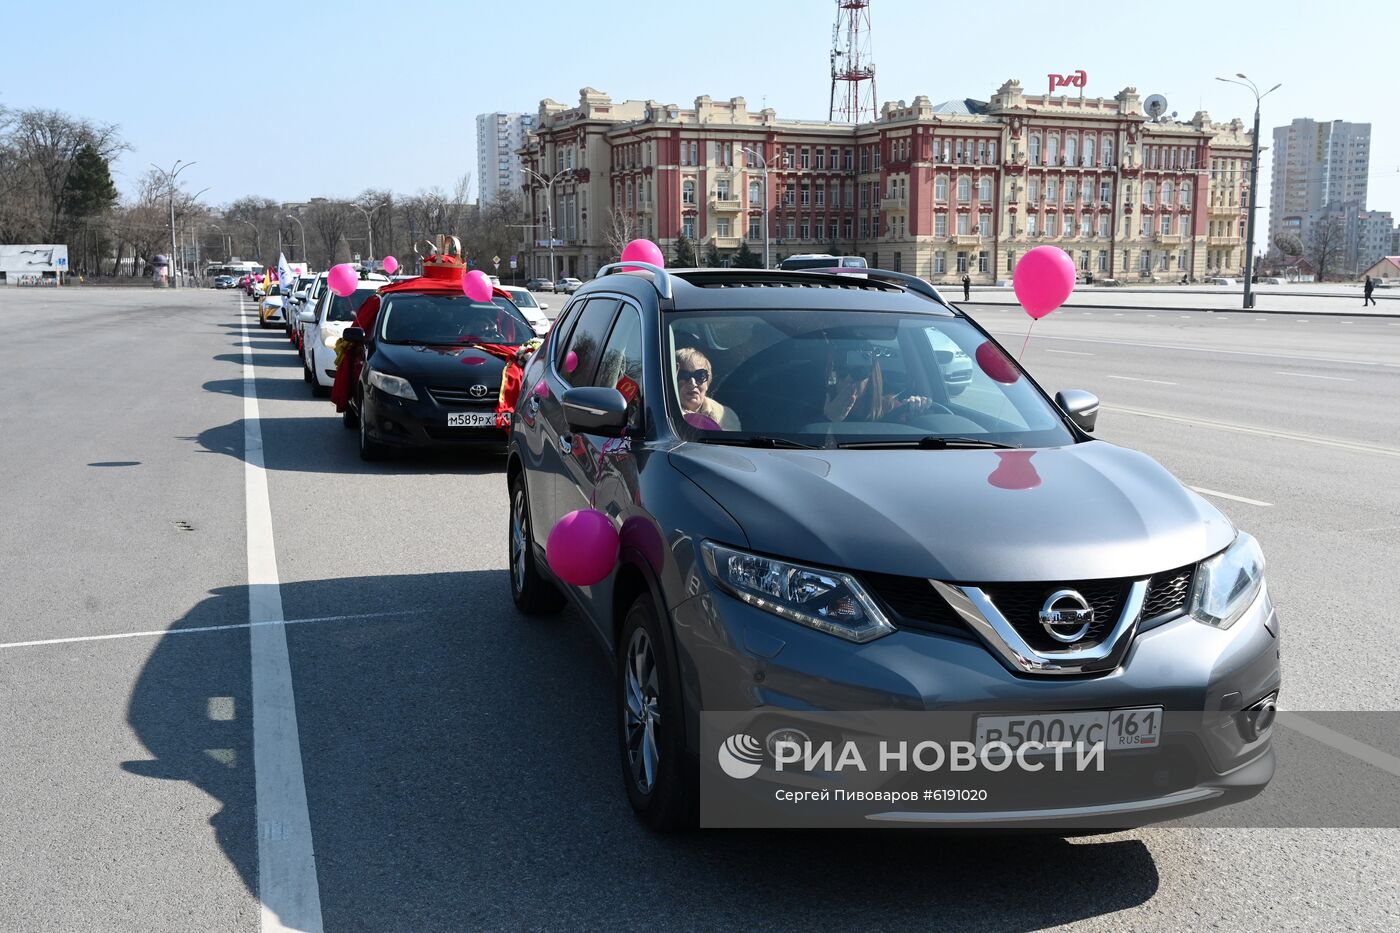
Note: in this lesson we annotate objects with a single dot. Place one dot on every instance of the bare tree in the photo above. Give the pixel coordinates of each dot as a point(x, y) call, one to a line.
point(330, 221)
point(620, 229)
point(1328, 246)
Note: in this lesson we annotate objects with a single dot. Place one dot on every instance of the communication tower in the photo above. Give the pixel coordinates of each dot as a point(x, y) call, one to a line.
point(852, 64)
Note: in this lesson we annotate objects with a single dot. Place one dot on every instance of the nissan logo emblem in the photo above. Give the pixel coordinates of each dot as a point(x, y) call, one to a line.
point(1066, 616)
point(478, 391)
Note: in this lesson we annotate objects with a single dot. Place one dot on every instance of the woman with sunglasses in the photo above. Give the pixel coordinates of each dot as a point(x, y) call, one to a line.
point(693, 373)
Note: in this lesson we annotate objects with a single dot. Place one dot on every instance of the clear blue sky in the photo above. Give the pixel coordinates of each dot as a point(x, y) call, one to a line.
point(208, 83)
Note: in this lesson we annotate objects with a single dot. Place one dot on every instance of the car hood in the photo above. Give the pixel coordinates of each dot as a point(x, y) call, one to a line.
point(441, 365)
point(1081, 512)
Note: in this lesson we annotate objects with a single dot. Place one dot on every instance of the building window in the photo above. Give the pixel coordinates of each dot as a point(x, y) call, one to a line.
point(722, 227)
point(688, 227)
point(722, 189)
point(755, 193)
point(1148, 192)
point(1069, 191)
point(1035, 149)
point(755, 228)
point(1103, 260)
point(1071, 149)
point(962, 262)
point(789, 196)
point(984, 225)
point(1084, 260)
point(821, 193)
point(1166, 194)
point(940, 188)
point(1105, 191)
point(1086, 225)
point(898, 262)
point(983, 263)
point(846, 226)
point(1067, 225)
point(940, 263)
point(791, 228)
point(1052, 191)
point(940, 224)
point(984, 188)
point(805, 159)
point(1011, 260)
point(846, 158)
point(1166, 225)
point(1033, 190)
point(687, 192)
point(806, 193)
point(1165, 263)
point(964, 224)
point(1183, 225)
point(821, 158)
point(992, 151)
point(964, 189)
point(1088, 150)
point(1108, 150)
point(1032, 223)
point(1185, 194)
point(1181, 260)
point(1145, 261)
point(1052, 149)
point(806, 229)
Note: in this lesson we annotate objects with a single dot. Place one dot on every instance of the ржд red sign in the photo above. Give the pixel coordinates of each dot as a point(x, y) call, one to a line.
point(1076, 79)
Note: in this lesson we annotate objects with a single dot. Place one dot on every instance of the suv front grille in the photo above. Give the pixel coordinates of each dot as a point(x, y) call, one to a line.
point(1167, 592)
point(1020, 604)
point(913, 602)
point(461, 395)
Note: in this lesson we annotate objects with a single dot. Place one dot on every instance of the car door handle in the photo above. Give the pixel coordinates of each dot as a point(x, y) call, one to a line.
point(566, 444)
point(532, 405)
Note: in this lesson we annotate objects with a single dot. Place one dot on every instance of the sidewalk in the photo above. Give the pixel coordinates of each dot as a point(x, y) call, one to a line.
point(1275, 299)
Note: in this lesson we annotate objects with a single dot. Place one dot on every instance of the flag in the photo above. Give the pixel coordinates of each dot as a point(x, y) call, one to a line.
point(284, 273)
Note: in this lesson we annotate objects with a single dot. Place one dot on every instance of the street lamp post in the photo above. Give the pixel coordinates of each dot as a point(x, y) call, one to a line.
point(369, 224)
point(766, 220)
point(297, 220)
point(549, 207)
point(1253, 184)
point(175, 170)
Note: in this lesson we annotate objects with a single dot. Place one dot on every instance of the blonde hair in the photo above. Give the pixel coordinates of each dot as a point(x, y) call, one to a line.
point(689, 356)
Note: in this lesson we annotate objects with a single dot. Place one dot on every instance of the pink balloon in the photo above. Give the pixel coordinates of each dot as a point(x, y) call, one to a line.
point(582, 548)
point(995, 364)
point(542, 389)
point(644, 251)
point(1043, 280)
point(343, 279)
point(1014, 470)
point(570, 361)
point(477, 286)
point(391, 265)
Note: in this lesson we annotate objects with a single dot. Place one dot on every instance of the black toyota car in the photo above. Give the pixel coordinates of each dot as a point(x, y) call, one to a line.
point(432, 374)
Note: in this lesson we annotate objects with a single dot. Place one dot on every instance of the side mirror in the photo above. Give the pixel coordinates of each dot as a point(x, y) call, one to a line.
point(306, 317)
point(596, 410)
point(543, 306)
point(1082, 407)
point(354, 334)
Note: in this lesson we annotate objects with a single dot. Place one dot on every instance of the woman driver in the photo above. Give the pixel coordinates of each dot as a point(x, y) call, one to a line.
point(857, 394)
point(693, 373)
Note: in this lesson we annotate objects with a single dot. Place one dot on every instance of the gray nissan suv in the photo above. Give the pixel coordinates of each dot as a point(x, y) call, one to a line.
point(840, 493)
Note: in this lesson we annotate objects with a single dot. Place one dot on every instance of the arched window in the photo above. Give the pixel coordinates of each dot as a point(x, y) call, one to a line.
point(964, 188)
point(1071, 149)
point(629, 194)
point(1166, 194)
point(1108, 150)
point(1088, 150)
point(1149, 191)
point(1185, 194)
point(755, 195)
point(1035, 150)
point(940, 188)
point(687, 192)
point(984, 188)
point(1052, 149)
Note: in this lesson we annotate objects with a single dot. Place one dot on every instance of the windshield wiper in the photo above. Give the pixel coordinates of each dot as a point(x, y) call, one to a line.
point(929, 442)
point(756, 440)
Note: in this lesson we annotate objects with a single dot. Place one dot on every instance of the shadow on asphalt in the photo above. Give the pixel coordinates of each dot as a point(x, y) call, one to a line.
point(461, 773)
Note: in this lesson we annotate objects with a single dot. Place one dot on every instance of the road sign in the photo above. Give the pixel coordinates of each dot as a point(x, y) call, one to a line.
point(471, 263)
point(512, 262)
point(496, 260)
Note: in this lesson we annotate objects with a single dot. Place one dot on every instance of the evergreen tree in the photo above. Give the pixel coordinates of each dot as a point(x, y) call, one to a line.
point(90, 191)
point(712, 258)
point(746, 258)
point(685, 252)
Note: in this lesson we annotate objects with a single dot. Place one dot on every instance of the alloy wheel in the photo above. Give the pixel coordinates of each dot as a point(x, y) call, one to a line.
point(642, 716)
point(518, 539)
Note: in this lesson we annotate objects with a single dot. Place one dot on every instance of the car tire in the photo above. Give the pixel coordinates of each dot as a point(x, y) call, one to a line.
point(532, 594)
point(370, 449)
point(350, 418)
point(262, 323)
point(650, 714)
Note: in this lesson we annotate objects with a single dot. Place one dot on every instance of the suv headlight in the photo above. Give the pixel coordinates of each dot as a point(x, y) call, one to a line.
point(393, 385)
point(330, 339)
point(1227, 583)
point(825, 600)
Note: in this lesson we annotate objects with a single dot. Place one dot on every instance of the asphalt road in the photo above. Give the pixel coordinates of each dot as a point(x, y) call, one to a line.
point(458, 761)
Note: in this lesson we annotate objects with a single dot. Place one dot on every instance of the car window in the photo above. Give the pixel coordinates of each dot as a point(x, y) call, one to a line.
point(586, 341)
point(345, 308)
point(438, 319)
point(621, 364)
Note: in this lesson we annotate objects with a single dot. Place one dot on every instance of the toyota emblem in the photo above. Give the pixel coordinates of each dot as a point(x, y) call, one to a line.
point(478, 391)
point(1066, 616)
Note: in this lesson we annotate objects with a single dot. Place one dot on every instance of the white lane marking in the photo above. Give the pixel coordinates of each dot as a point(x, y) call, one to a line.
point(1136, 379)
point(1342, 743)
point(1261, 432)
point(1180, 346)
point(1279, 372)
point(1226, 495)
point(1153, 315)
point(1070, 352)
point(1261, 319)
point(288, 891)
point(161, 633)
point(1118, 314)
point(1187, 316)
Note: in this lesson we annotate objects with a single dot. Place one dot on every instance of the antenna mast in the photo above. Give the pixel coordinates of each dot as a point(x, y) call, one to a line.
point(852, 64)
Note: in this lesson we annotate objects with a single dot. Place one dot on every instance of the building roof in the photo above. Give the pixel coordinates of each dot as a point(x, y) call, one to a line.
point(966, 106)
point(1393, 260)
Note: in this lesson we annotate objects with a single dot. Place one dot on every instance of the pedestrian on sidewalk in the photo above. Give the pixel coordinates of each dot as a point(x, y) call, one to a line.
point(967, 287)
point(1369, 288)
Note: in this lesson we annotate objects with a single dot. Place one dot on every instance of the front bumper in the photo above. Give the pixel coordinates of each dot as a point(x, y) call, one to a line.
point(735, 657)
point(401, 422)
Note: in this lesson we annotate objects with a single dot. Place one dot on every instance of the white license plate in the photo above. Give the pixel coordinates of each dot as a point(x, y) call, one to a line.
point(1117, 729)
point(471, 419)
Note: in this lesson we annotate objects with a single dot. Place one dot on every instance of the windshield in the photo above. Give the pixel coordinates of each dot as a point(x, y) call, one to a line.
point(450, 319)
point(828, 378)
point(523, 299)
point(345, 308)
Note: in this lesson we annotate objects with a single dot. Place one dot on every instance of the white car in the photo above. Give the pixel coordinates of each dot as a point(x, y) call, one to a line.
point(1220, 280)
point(532, 309)
point(322, 326)
point(309, 301)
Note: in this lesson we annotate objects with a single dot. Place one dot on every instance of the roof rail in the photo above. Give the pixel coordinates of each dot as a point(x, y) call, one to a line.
point(661, 278)
point(911, 282)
